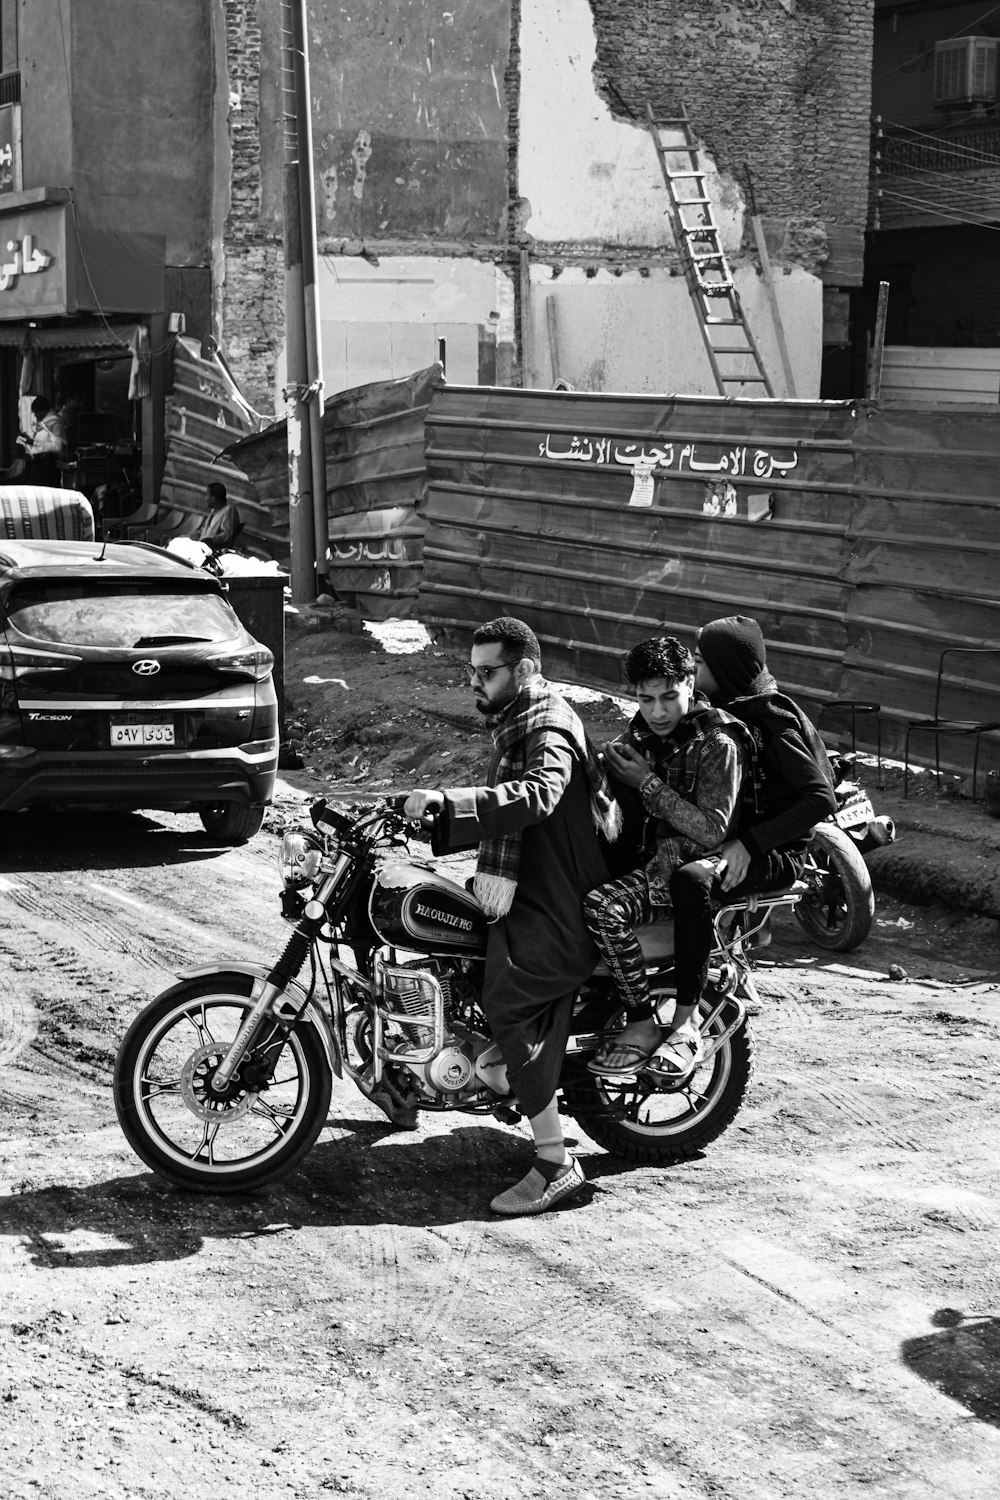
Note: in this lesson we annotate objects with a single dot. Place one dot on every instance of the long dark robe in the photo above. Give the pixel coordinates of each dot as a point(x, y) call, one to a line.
point(540, 952)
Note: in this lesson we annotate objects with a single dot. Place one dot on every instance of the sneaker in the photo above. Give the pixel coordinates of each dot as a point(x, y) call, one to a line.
point(535, 1193)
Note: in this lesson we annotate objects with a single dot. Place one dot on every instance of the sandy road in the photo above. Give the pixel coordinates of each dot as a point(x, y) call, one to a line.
point(811, 1309)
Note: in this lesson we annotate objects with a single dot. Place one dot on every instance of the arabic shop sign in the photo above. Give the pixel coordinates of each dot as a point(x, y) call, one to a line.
point(700, 461)
point(23, 258)
point(33, 270)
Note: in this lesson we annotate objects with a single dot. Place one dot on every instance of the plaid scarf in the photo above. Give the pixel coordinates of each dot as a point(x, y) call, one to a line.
point(537, 707)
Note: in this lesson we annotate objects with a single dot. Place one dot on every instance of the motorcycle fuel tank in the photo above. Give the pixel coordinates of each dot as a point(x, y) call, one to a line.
point(414, 907)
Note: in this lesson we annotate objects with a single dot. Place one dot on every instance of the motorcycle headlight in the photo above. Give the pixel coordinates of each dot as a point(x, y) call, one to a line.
point(299, 859)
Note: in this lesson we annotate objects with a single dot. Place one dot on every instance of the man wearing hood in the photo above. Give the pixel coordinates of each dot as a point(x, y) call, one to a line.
point(538, 821)
point(792, 791)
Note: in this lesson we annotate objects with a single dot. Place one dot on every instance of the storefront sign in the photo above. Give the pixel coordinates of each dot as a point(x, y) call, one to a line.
point(10, 148)
point(24, 259)
point(33, 268)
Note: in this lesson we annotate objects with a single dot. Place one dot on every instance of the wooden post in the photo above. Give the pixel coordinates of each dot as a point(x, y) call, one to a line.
point(768, 278)
point(524, 297)
point(552, 324)
point(878, 344)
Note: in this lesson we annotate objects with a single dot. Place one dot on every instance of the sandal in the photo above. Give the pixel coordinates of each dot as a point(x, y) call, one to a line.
point(599, 1062)
point(675, 1058)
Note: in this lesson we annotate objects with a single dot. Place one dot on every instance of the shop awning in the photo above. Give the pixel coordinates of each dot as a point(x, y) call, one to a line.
point(99, 336)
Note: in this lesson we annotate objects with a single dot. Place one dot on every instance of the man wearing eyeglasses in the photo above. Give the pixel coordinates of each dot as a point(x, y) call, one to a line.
point(538, 822)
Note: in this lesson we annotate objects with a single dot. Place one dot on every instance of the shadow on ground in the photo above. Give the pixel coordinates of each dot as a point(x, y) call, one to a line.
point(359, 1179)
point(962, 1359)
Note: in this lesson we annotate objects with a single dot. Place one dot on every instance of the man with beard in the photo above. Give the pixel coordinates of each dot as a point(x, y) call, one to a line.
point(538, 821)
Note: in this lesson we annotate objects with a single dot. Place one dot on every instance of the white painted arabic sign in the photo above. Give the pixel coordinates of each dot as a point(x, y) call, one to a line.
point(741, 461)
point(25, 259)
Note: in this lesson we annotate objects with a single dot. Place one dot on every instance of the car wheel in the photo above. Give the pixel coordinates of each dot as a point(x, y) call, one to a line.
point(232, 822)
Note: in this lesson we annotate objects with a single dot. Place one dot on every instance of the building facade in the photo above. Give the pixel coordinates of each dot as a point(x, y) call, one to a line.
point(110, 141)
point(488, 193)
point(935, 185)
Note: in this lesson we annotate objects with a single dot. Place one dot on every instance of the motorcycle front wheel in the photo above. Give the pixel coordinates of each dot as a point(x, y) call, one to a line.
point(639, 1121)
point(228, 1141)
point(838, 909)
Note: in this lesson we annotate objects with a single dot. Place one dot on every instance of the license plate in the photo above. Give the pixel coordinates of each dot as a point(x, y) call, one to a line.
point(850, 817)
point(131, 735)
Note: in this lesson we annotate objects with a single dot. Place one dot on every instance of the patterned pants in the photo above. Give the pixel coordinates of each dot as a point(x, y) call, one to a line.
point(612, 913)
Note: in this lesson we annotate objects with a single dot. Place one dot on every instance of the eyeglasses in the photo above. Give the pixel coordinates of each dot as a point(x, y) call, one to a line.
point(484, 673)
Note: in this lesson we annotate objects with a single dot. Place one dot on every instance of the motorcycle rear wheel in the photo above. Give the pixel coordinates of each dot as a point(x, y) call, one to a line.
point(639, 1122)
point(838, 909)
point(194, 1137)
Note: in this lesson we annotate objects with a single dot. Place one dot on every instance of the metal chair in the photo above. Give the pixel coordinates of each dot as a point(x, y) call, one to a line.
point(939, 724)
point(859, 706)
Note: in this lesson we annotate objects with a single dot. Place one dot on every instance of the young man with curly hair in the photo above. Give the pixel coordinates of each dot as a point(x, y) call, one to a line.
point(685, 760)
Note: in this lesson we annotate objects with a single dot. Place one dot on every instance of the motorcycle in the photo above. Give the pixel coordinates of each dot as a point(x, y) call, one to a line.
point(223, 1082)
point(838, 907)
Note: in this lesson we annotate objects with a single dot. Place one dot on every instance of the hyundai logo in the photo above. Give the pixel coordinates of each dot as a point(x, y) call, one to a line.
point(146, 668)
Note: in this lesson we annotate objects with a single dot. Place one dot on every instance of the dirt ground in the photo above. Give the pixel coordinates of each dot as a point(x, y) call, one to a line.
point(809, 1309)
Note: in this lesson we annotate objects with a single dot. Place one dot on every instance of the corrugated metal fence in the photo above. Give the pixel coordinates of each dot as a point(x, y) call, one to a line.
point(376, 479)
point(864, 541)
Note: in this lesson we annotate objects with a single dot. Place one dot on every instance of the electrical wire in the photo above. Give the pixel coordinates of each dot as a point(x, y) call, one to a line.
point(941, 145)
point(933, 209)
point(929, 51)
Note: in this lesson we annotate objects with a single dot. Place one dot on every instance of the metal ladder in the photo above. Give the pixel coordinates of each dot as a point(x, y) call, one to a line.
point(732, 351)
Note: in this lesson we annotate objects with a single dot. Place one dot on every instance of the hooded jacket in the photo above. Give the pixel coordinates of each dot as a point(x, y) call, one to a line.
point(793, 780)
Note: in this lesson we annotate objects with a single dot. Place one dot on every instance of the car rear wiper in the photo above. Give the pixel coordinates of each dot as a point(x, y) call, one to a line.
point(169, 640)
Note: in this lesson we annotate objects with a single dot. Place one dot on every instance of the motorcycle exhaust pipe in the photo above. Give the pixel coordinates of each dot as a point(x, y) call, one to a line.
point(880, 831)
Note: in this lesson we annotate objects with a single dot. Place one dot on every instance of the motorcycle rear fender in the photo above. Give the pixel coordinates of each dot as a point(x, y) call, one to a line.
point(313, 1015)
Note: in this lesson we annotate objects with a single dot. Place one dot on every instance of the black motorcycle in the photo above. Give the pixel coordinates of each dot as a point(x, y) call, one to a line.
point(224, 1081)
point(838, 906)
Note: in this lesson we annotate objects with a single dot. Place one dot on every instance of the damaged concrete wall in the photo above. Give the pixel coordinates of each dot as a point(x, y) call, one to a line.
point(636, 330)
point(409, 118)
point(781, 85)
point(751, 80)
point(488, 145)
point(406, 312)
point(249, 282)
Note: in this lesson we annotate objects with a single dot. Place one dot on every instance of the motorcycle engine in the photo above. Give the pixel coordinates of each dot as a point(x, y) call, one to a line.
point(450, 1074)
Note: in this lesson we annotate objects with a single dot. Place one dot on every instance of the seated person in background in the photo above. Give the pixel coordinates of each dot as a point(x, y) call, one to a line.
point(792, 791)
point(45, 449)
point(685, 759)
point(223, 524)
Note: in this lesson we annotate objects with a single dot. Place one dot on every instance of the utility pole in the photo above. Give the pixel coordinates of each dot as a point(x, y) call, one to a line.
point(301, 518)
point(310, 294)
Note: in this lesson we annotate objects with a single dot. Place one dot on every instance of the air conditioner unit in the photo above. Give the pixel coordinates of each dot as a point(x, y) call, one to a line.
point(965, 70)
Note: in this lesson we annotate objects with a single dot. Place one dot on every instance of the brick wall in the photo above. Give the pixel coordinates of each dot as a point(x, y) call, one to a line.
point(250, 300)
point(783, 86)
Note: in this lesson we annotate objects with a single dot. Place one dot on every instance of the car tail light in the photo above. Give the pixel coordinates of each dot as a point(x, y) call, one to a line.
point(255, 664)
point(18, 661)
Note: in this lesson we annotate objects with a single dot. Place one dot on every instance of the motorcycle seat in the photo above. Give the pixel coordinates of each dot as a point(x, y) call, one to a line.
point(656, 939)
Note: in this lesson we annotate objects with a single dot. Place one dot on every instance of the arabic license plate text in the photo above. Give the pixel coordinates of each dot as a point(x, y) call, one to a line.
point(855, 813)
point(130, 735)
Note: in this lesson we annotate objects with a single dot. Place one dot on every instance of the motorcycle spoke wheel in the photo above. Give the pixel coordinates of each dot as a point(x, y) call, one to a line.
point(838, 909)
point(197, 1136)
point(644, 1122)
